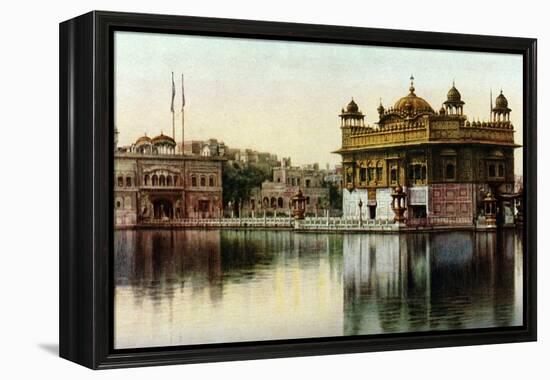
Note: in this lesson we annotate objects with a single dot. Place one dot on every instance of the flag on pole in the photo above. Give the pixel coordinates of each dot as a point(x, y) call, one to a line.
point(173, 93)
point(182, 94)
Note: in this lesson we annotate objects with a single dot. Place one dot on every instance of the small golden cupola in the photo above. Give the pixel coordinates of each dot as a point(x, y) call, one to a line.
point(351, 116)
point(380, 108)
point(163, 144)
point(454, 104)
point(501, 112)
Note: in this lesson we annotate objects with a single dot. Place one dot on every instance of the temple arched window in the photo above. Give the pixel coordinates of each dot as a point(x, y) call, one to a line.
point(450, 171)
point(120, 182)
point(280, 202)
point(370, 174)
point(203, 181)
point(266, 202)
point(308, 182)
point(146, 180)
point(162, 180)
point(417, 172)
point(379, 173)
point(176, 180)
point(155, 180)
point(194, 181)
point(118, 203)
point(169, 180)
point(307, 200)
point(363, 174)
point(211, 181)
point(492, 171)
point(393, 175)
point(501, 170)
point(273, 202)
point(128, 182)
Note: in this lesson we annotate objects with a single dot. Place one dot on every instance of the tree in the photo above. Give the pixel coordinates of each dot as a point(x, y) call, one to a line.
point(239, 181)
point(334, 195)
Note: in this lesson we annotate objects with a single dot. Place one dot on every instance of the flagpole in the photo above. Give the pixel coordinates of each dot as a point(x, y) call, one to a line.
point(182, 131)
point(173, 126)
point(172, 109)
point(182, 118)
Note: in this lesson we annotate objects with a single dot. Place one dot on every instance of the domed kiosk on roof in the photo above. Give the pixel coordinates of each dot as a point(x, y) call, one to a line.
point(352, 107)
point(164, 144)
point(453, 95)
point(454, 104)
point(351, 116)
point(501, 102)
point(163, 139)
point(500, 111)
point(143, 140)
point(143, 145)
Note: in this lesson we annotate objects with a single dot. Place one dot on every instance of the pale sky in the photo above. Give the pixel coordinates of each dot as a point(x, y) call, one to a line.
point(284, 97)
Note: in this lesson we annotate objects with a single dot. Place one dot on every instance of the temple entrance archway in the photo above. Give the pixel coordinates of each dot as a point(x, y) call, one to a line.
point(372, 211)
point(163, 209)
point(204, 208)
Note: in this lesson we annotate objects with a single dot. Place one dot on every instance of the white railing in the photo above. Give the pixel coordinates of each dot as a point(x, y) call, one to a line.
point(345, 223)
point(449, 220)
point(224, 222)
point(309, 223)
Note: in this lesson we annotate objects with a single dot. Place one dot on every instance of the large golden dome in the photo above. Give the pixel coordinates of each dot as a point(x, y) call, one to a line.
point(412, 103)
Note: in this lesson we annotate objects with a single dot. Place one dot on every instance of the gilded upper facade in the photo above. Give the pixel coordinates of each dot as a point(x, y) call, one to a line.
point(412, 121)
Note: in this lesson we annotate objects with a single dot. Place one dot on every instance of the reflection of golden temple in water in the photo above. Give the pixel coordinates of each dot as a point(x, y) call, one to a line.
point(188, 287)
point(430, 282)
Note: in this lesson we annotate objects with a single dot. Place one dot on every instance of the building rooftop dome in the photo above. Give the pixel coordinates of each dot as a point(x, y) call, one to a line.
point(143, 140)
point(501, 101)
point(413, 103)
point(352, 106)
point(380, 108)
point(453, 95)
point(163, 139)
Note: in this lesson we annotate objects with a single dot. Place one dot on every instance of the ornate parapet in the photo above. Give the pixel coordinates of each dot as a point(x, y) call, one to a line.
point(398, 134)
point(426, 130)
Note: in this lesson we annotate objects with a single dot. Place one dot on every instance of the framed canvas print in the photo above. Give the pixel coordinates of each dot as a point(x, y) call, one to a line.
point(237, 189)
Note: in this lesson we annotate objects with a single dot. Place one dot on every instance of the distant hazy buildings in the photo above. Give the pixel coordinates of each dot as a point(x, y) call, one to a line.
point(274, 196)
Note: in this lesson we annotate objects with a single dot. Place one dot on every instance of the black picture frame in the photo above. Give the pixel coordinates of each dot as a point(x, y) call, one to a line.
point(86, 183)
